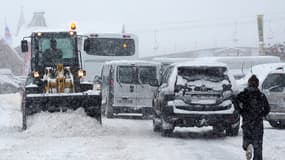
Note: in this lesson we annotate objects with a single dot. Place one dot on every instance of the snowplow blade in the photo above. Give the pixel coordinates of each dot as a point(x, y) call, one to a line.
point(35, 103)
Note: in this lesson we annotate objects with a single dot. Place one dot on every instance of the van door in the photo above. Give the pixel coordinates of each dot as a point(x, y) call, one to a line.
point(125, 86)
point(145, 92)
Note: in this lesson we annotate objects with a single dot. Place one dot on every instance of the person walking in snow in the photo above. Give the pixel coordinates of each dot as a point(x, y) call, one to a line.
point(253, 107)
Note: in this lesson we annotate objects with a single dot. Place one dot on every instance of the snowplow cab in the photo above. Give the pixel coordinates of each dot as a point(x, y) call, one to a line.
point(56, 79)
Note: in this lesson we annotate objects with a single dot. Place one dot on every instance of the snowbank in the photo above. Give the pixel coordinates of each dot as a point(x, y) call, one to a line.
point(10, 115)
point(63, 124)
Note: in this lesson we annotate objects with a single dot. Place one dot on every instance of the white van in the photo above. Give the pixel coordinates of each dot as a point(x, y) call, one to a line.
point(126, 86)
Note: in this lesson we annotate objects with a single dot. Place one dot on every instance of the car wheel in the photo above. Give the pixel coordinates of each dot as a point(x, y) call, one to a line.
point(275, 124)
point(232, 131)
point(218, 129)
point(166, 128)
point(156, 125)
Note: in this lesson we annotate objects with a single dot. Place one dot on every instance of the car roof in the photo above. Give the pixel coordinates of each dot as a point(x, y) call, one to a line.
point(199, 64)
point(131, 62)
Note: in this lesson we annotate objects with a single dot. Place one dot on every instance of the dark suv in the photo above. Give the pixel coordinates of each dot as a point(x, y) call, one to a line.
point(196, 94)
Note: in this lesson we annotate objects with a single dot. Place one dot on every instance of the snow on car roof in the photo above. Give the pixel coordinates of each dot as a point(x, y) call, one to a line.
point(280, 70)
point(197, 63)
point(167, 59)
point(130, 62)
point(239, 57)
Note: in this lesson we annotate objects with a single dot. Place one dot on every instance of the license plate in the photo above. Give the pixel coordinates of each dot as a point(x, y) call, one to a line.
point(125, 101)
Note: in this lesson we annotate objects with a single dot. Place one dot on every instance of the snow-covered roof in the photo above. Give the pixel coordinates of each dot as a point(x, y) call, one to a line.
point(166, 59)
point(197, 63)
point(240, 58)
point(130, 62)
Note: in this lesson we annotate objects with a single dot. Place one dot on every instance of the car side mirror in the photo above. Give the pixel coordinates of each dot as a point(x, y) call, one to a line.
point(86, 45)
point(97, 79)
point(24, 46)
point(154, 82)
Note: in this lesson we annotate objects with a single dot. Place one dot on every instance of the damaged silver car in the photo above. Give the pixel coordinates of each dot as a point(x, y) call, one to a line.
point(196, 94)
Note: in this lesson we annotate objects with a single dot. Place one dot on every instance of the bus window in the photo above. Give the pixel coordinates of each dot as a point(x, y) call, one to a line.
point(111, 47)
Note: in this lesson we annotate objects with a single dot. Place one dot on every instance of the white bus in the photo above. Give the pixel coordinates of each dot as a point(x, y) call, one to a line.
point(98, 48)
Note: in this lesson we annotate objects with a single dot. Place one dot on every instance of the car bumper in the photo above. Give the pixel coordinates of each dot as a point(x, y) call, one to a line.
point(202, 118)
point(276, 116)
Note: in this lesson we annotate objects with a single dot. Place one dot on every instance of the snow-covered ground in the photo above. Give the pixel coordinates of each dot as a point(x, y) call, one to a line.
point(74, 136)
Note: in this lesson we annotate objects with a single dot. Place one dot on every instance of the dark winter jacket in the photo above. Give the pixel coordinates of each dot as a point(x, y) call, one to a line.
point(253, 107)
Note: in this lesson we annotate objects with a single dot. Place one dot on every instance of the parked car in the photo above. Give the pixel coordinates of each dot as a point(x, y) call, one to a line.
point(8, 82)
point(273, 87)
point(261, 71)
point(126, 87)
point(196, 94)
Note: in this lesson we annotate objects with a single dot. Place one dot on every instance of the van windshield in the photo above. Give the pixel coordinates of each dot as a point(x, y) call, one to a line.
point(127, 74)
point(274, 80)
point(146, 73)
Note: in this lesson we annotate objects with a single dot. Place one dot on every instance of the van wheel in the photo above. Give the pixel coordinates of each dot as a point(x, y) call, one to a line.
point(166, 132)
point(109, 112)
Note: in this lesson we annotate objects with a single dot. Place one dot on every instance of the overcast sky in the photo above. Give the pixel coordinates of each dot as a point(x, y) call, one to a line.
point(178, 24)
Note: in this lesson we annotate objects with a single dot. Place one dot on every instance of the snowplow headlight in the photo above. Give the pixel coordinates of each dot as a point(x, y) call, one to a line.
point(81, 73)
point(39, 34)
point(72, 26)
point(71, 33)
point(36, 74)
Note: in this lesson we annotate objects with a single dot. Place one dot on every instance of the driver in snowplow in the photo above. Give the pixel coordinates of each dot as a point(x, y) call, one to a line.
point(52, 54)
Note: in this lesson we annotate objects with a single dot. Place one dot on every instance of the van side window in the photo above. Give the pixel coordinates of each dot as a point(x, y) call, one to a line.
point(126, 74)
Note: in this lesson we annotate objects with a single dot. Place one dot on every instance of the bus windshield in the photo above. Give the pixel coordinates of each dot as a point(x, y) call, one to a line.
point(111, 47)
